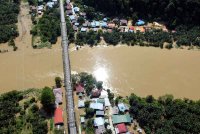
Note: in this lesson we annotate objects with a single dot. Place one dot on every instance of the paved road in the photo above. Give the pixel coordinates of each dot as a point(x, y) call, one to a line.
point(67, 74)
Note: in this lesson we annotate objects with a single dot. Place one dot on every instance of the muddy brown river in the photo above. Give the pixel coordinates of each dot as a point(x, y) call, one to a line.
point(140, 70)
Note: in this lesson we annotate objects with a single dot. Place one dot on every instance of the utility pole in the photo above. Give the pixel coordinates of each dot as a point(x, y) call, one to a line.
point(67, 74)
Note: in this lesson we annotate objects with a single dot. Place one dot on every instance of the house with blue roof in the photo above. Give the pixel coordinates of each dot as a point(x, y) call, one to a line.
point(93, 24)
point(104, 25)
point(76, 9)
point(140, 22)
point(97, 23)
point(123, 107)
point(105, 19)
point(72, 17)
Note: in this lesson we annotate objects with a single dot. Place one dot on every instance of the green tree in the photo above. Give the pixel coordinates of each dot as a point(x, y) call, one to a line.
point(11, 42)
point(89, 112)
point(58, 82)
point(87, 104)
point(99, 84)
point(90, 128)
point(81, 20)
point(47, 98)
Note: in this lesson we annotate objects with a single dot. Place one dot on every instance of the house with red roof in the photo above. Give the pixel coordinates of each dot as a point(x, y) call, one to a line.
point(131, 28)
point(111, 25)
point(79, 89)
point(95, 93)
point(58, 116)
point(121, 128)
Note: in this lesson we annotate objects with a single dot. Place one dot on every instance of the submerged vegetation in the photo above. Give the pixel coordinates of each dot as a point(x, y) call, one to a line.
point(8, 17)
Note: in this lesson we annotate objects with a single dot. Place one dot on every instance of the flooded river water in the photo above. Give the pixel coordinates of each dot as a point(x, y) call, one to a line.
point(142, 70)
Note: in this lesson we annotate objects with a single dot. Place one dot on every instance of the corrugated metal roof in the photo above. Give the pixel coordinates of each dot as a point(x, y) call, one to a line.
point(121, 119)
point(58, 118)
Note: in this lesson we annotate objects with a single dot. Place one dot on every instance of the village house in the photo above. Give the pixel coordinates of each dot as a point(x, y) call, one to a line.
point(95, 93)
point(96, 106)
point(100, 100)
point(123, 22)
point(99, 121)
point(55, 1)
point(104, 25)
point(83, 29)
point(76, 24)
point(76, 9)
point(111, 25)
point(33, 9)
point(139, 29)
point(100, 129)
point(83, 14)
point(81, 103)
point(131, 28)
point(115, 110)
point(58, 95)
point(68, 7)
point(85, 24)
point(93, 24)
point(97, 23)
point(117, 119)
point(82, 120)
point(121, 128)
point(99, 113)
point(72, 17)
point(115, 20)
point(105, 19)
point(58, 116)
point(95, 29)
point(107, 102)
point(69, 12)
point(75, 28)
point(140, 23)
point(123, 107)
point(79, 89)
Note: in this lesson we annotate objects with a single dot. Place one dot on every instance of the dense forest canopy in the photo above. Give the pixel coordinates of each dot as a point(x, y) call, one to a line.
point(19, 113)
point(8, 17)
point(172, 12)
point(166, 115)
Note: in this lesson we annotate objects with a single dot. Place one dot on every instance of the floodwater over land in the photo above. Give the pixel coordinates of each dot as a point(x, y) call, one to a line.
point(140, 70)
